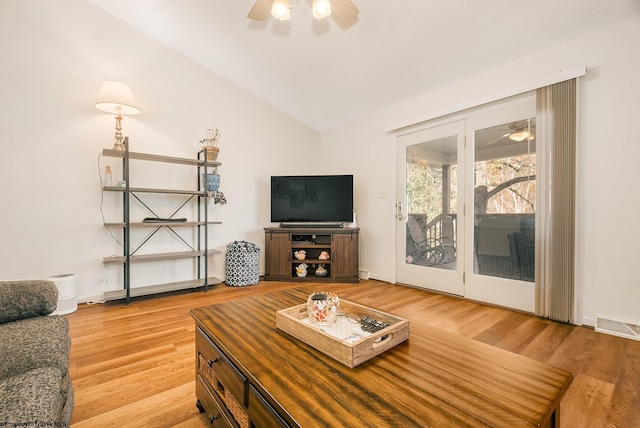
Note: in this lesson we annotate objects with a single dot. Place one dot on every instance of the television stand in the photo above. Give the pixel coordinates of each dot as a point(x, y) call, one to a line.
point(330, 254)
point(312, 225)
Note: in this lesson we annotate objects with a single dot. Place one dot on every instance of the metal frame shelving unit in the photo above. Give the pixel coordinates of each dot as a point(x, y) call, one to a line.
point(200, 250)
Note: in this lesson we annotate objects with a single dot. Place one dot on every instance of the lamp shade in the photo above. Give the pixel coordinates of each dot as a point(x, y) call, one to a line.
point(116, 97)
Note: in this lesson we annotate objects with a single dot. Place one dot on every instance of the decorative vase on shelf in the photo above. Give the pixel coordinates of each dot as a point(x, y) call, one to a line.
point(107, 180)
point(323, 307)
point(211, 181)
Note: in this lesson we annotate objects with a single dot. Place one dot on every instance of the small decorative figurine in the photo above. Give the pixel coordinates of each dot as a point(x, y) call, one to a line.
point(301, 270)
point(300, 254)
point(321, 270)
point(324, 255)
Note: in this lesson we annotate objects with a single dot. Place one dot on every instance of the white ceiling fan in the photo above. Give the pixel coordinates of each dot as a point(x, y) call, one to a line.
point(344, 10)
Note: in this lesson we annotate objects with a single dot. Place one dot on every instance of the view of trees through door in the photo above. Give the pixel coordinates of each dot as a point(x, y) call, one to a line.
point(504, 204)
point(505, 200)
point(466, 207)
point(429, 225)
point(432, 196)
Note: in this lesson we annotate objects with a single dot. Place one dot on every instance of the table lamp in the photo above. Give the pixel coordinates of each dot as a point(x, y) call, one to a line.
point(116, 97)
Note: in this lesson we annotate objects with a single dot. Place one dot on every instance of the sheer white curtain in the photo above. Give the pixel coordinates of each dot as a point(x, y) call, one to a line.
point(555, 219)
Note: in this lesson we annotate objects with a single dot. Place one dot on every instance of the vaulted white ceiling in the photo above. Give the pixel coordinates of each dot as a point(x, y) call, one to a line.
point(325, 75)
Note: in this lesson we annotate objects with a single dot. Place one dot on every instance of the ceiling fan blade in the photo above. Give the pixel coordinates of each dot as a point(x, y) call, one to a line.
point(260, 10)
point(499, 138)
point(345, 10)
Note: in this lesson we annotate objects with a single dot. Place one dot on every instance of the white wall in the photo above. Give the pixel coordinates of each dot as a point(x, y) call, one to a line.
point(608, 273)
point(55, 56)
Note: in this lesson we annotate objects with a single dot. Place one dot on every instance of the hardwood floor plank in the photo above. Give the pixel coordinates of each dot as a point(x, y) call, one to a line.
point(586, 403)
point(626, 396)
point(522, 335)
point(164, 409)
point(120, 392)
point(482, 319)
point(546, 343)
point(125, 366)
point(508, 324)
point(134, 366)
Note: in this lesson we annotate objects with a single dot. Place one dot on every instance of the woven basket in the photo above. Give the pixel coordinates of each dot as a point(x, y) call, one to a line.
point(236, 410)
point(242, 263)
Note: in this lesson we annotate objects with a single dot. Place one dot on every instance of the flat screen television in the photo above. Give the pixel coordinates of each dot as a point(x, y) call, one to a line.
point(312, 198)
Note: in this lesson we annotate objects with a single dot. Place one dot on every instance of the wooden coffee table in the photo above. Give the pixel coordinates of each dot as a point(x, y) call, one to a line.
point(251, 372)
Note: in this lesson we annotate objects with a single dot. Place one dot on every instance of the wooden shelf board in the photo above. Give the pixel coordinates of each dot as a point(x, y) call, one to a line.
point(160, 288)
point(308, 245)
point(159, 158)
point(151, 190)
point(155, 224)
point(157, 257)
point(310, 278)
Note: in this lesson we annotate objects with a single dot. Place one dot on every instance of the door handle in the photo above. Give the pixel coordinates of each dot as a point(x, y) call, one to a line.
point(399, 215)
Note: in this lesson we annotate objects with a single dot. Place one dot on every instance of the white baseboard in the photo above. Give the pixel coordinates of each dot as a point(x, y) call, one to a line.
point(91, 299)
point(588, 321)
point(379, 278)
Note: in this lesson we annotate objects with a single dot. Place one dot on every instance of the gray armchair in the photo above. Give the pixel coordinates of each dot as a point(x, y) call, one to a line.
point(35, 387)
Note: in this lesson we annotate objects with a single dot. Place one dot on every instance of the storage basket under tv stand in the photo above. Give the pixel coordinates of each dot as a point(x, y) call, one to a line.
point(341, 244)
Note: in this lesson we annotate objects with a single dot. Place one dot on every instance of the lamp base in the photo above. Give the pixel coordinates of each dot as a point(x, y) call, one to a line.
point(118, 144)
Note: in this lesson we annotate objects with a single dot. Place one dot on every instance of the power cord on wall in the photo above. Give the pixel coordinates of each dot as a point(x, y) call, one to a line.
point(104, 221)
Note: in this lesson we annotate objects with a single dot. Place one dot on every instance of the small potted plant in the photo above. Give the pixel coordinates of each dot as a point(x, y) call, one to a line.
point(210, 143)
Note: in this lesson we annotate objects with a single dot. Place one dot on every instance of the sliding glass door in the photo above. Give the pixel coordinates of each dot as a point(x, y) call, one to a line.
point(465, 213)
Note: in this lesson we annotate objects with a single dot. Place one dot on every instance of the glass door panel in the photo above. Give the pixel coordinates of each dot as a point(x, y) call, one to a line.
point(504, 200)
point(501, 204)
point(428, 223)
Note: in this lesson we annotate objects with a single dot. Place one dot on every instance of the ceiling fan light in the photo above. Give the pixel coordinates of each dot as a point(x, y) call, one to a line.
point(281, 10)
point(519, 136)
point(321, 8)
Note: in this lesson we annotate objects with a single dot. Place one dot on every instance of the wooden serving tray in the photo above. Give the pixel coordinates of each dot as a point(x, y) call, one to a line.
point(331, 340)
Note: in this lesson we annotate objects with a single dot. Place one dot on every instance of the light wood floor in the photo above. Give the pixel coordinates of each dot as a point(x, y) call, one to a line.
point(134, 366)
